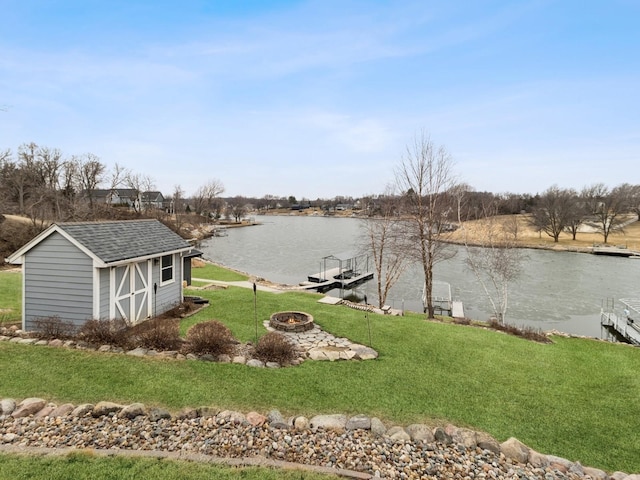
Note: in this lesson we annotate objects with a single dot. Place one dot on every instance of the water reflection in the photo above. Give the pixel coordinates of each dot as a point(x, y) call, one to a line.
point(562, 291)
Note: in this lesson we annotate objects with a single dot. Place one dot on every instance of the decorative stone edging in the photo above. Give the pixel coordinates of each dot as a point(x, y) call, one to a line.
point(314, 344)
point(358, 443)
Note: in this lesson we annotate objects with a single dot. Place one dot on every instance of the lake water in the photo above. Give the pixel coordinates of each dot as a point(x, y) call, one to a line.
point(556, 290)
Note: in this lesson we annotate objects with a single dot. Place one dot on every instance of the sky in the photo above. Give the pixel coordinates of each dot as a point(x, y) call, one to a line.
point(321, 98)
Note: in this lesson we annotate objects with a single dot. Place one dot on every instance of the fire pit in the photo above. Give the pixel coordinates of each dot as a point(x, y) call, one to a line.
point(291, 321)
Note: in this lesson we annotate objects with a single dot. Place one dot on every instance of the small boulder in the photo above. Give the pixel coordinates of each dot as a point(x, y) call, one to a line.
point(256, 419)
point(254, 362)
point(487, 442)
point(156, 414)
point(28, 406)
point(56, 343)
point(398, 434)
point(239, 359)
point(463, 436)
point(132, 411)
point(515, 450)
point(62, 410)
point(138, 352)
point(7, 406)
point(537, 460)
point(377, 427)
point(105, 408)
point(206, 412)
point(83, 410)
point(442, 436)
point(9, 437)
point(420, 432)
point(276, 420)
point(335, 422)
point(224, 358)
point(46, 411)
point(232, 417)
point(359, 422)
point(301, 423)
point(595, 473)
point(272, 365)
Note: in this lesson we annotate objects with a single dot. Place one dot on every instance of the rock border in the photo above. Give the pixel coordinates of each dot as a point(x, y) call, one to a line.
point(358, 446)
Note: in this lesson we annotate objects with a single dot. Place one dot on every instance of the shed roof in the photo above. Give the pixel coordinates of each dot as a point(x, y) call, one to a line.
point(112, 242)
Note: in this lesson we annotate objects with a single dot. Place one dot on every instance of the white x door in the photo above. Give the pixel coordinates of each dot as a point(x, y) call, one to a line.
point(131, 285)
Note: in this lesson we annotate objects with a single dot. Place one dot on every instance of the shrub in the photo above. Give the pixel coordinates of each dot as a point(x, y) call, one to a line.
point(210, 337)
point(48, 328)
point(274, 347)
point(157, 334)
point(180, 310)
point(105, 332)
point(528, 333)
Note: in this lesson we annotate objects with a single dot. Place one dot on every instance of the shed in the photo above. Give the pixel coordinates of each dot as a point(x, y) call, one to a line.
point(129, 270)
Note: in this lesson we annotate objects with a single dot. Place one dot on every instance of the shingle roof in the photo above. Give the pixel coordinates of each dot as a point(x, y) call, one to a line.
point(122, 240)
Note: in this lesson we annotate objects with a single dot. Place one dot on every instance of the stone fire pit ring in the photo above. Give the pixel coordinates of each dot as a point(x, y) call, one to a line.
point(294, 322)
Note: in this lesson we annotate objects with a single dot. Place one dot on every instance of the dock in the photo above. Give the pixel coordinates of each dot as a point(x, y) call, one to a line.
point(350, 273)
point(443, 302)
point(625, 324)
point(618, 251)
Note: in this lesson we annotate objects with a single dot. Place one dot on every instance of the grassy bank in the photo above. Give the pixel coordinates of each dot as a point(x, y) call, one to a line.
point(10, 297)
point(569, 398)
point(83, 466)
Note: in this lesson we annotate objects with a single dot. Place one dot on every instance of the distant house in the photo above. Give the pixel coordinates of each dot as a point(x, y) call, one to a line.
point(130, 197)
point(128, 270)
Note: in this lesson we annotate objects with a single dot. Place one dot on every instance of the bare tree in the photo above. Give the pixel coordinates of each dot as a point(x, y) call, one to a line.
point(385, 241)
point(205, 196)
point(606, 206)
point(237, 208)
point(424, 176)
point(495, 260)
point(553, 211)
point(140, 184)
point(90, 171)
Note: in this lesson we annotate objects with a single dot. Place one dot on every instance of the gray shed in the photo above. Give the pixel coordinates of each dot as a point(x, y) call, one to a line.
point(128, 270)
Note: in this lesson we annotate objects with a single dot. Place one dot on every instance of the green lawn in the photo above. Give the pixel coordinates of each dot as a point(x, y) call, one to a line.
point(10, 297)
point(84, 466)
point(571, 398)
point(214, 272)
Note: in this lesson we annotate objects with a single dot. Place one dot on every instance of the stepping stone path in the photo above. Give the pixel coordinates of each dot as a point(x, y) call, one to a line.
point(320, 345)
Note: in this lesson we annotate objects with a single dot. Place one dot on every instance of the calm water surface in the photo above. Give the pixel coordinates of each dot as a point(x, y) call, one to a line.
point(556, 290)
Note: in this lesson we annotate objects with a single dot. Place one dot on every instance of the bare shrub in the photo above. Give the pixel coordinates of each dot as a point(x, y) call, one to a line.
point(461, 321)
point(157, 334)
point(210, 337)
point(105, 332)
point(274, 347)
point(48, 328)
point(181, 310)
point(528, 333)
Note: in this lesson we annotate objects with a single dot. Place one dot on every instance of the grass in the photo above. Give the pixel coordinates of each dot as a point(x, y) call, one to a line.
point(84, 466)
point(214, 272)
point(570, 398)
point(10, 297)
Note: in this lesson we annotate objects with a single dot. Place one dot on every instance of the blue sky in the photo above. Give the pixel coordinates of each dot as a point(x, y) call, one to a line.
point(320, 98)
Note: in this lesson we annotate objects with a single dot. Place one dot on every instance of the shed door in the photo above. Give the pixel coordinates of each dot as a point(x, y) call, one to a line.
point(132, 291)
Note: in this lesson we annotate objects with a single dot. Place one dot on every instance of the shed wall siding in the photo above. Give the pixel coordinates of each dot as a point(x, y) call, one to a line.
point(58, 281)
point(168, 295)
point(105, 285)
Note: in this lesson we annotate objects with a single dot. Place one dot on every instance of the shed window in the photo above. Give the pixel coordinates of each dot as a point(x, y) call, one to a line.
point(166, 275)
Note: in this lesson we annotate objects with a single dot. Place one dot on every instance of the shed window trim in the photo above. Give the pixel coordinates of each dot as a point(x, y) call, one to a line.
point(167, 269)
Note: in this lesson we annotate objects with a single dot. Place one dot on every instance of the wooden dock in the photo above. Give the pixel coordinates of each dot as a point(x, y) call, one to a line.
point(619, 251)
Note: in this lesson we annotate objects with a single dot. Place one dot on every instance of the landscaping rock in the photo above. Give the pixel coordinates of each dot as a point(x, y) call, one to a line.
point(105, 408)
point(398, 434)
point(28, 406)
point(132, 411)
point(239, 359)
point(487, 442)
point(272, 365)
point(224, 358)
point(138, 352)
point(420, 432)
point(442, 436)
point(619, 475)
point(463, 436)
point(104, 348)
point(364, 353)
point(515, 450)
point(254, 362)
point(189, 413)
point(205, 412)
point(276, 420)
point(9, 437)
point(377, 427)
point(46, 411)
point(359, 422)
point(7, 406)
point(335, 422)
point(62, 410)
point(83, 410)
point(301, 423)
point(595, 473)
point(56, 343)
point(256, 419)
point(232, 417)
point(537, 460)
point(156, 414)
